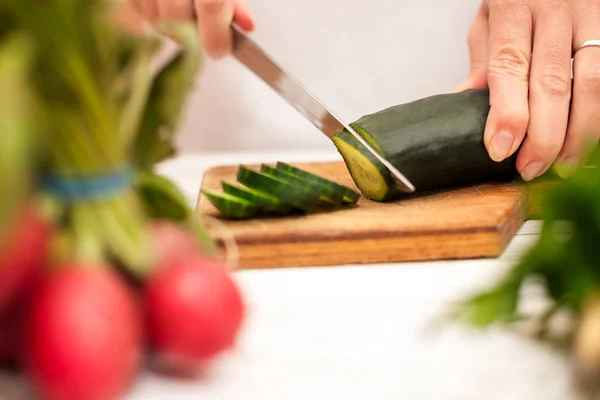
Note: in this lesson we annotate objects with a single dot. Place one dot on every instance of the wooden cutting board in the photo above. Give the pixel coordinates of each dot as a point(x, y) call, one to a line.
point(466, 222)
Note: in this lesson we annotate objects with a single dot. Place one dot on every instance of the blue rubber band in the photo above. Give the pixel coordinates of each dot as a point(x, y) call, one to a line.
point(87, 187)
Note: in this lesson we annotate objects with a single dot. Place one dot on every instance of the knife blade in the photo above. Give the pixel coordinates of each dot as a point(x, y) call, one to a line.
point(291, 90)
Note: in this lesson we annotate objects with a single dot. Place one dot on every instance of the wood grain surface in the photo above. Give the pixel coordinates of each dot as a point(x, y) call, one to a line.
point(465, 222)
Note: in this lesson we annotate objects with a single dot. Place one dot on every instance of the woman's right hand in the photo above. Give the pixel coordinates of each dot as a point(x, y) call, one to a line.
point(213, 18)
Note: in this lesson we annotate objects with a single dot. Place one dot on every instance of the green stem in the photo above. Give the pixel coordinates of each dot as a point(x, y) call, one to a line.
point(140, 90)
point(88, 246)
point(98, 110)
point(124, 233)
point(68, 148)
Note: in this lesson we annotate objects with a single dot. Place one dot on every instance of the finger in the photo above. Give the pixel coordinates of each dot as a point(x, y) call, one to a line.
point(549, 90)
point(584, 122)
point(148, 8)
point(478, 51)
point(214, 19)
point(129, 18)
point(509, 51)
point(175, 9)
point(242, 16)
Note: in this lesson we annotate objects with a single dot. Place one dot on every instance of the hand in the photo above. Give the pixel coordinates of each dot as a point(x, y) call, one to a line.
point(522, 50)
point(213, 18)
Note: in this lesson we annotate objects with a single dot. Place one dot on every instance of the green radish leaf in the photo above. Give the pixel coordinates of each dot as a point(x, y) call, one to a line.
point(163, 200)
point(564, 258)
point(495, 306)
point(500, 303)
point(170, 90)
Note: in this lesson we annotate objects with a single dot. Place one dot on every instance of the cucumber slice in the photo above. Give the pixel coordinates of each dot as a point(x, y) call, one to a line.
point(349, 195)
point(288, 193)
point(326, 195)
point(232, 206)
point(368, 172)
point(246, 193)
point(269, 202)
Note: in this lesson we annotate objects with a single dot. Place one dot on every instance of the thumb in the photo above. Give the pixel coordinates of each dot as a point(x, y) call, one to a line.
point(478, 51)
point(477, 79)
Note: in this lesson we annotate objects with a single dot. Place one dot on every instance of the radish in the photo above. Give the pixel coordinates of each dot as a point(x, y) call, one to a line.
point(22, 255)
point(194, 311)
point(171, 240)
point(83, 334)
point(10, 324)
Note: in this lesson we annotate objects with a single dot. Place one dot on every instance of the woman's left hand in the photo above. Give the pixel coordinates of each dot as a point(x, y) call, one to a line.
point(213, 18)
point(522, 50)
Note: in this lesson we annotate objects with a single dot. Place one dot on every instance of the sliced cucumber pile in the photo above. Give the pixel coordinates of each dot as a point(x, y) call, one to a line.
point(279, 190)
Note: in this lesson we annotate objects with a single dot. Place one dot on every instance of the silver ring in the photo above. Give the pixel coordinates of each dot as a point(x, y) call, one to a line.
point(589, 43)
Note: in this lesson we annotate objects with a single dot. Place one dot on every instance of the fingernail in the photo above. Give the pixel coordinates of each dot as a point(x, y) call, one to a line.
point(570, 162)
point(565, 167)
point(533, 170)
point(500, 145)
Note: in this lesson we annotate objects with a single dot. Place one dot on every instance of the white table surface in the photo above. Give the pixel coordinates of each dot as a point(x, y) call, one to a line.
point(360, 332)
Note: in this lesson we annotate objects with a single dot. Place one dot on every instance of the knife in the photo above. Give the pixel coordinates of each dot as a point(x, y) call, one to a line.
point(283, 83)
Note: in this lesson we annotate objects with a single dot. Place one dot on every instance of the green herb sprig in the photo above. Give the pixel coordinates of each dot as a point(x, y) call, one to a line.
point(565, 261)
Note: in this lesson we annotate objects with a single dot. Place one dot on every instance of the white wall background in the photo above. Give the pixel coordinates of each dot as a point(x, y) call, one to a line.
point(357, 56)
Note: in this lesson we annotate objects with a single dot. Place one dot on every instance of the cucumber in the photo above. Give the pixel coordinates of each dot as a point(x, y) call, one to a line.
point(232, 206)
point(267, 201)
point(294, 195)
point(436, 142)
point(326, 194)
point(273, 190)
point(349, 196)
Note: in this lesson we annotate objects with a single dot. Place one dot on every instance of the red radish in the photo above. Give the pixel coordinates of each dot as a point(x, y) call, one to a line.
point(12, 321)
point(83, 334)
point(194, 312)
point(171, 240)
point(22, 255)
point(10, 324)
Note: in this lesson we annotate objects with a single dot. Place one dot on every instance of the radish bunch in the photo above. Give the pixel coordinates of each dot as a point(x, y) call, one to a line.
point(116, 270)
point(84, 330)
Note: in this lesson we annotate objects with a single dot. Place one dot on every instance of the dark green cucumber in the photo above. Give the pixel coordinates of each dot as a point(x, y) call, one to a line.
point(267, 201)
point(326, 194)
point(349, 195)
point(232, 206)
point(295, 195)
point(436, 142)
